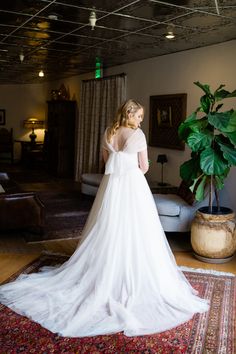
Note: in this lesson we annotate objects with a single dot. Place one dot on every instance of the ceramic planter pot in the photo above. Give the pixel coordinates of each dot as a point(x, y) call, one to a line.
point(213, 236)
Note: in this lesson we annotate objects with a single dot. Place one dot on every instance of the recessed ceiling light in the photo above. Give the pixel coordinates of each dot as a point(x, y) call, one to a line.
point(21, 56)
point(53, 17)
point(170, 35)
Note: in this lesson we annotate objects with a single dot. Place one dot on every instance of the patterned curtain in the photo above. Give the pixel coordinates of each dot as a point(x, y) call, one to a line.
point(99, 101)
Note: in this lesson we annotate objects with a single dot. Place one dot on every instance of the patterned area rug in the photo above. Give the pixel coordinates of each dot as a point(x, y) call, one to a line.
point(211, 333)
point(66, 214)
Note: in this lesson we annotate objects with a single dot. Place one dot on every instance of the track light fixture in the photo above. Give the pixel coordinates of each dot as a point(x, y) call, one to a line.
point(217, 7)
point(92, 19)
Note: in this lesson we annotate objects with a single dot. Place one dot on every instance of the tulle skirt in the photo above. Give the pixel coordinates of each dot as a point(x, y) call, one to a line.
point(122, 277)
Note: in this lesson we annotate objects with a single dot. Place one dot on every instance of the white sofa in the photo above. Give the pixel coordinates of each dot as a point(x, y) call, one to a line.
point(90, 183)
point(175, 213)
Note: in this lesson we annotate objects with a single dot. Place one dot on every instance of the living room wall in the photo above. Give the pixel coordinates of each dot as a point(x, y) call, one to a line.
point(22, 102)
point(169, 74)
point(172, 74)
point(175, 73)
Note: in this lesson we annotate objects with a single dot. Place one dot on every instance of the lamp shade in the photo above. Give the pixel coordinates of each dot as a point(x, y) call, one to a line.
point(162, 158)
point(33, 123)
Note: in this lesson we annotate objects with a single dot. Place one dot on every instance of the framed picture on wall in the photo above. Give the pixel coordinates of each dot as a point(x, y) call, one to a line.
point(2, 117)
point(166, 114)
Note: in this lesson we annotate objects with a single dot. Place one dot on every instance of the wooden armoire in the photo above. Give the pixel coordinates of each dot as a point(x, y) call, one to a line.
point(61, 137)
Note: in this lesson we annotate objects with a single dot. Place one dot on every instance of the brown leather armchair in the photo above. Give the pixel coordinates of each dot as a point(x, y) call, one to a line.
point(20, 210)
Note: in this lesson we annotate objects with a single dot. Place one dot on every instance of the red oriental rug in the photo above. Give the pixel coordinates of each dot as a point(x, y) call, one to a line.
point(212, 332)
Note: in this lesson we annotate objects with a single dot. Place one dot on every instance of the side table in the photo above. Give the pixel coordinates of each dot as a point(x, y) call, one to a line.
point(27, 147)
point(162, 189)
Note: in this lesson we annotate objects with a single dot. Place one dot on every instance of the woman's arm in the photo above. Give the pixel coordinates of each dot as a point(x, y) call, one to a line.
point(105, 155)
point(143, 161)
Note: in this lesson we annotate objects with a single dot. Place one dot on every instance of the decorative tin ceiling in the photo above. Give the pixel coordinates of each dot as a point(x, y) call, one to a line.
point(56, 36)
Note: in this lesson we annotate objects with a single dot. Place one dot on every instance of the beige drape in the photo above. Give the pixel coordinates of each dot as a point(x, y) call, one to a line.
point(99, 102)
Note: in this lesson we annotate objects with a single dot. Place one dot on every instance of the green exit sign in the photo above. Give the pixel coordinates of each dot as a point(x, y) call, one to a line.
point(98, 68)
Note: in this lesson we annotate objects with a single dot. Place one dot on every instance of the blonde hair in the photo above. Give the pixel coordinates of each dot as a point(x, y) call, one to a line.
point(122, 117)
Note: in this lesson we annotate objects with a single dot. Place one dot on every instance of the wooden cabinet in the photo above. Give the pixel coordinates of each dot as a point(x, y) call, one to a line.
point(61, 138)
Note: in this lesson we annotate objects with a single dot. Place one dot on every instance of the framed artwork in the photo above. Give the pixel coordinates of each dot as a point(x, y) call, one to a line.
point(166, 114)
point(2, 117)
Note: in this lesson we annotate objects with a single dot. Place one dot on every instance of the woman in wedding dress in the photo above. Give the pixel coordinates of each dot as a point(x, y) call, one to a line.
point(123, 275)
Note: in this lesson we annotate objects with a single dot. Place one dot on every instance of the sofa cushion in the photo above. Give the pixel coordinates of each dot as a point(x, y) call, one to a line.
point(2, 190)
point(93, 179)
point(168, 204)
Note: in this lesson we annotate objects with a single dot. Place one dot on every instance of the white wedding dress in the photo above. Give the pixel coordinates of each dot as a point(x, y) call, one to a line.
point(123, 276)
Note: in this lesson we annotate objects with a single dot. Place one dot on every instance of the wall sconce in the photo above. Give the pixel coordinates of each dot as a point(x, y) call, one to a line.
point(33, 123)
point(162, 159)
point(41, 73)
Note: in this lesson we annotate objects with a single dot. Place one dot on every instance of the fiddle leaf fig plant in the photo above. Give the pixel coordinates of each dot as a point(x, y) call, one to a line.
point(211, 135)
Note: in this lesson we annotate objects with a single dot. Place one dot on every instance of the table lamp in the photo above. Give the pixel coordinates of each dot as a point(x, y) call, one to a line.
point(162, 159)
point(33, 123)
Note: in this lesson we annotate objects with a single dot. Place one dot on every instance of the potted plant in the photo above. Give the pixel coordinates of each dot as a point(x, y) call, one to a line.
point(211, 135)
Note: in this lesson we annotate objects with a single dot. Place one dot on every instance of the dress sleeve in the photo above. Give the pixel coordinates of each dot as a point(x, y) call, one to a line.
point(137, 142)
point(142, 142)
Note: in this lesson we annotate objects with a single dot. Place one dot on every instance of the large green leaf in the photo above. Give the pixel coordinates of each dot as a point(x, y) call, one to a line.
point(223, 121)
point(195, 125)
point(199, 193)
point(219, 180)
point(199, 140)
point(205, 103)
point(190, 169)
point(222, 94)
point(183, 129)
point(229, 152)
point(191, 117)
point(204, 87)
point(232, 137)
point(212, 162)
point(199, 124)
point(218, 89)
point(232, 94)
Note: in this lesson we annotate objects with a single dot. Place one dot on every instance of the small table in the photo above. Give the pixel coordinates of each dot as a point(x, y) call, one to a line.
point(27, 147)
point(162, 189)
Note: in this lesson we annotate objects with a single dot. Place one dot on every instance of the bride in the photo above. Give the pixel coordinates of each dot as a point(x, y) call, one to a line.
point(123, 275)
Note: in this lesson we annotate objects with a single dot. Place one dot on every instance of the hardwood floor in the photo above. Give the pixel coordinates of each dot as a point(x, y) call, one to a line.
point(15, 253)
point(18, 254)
